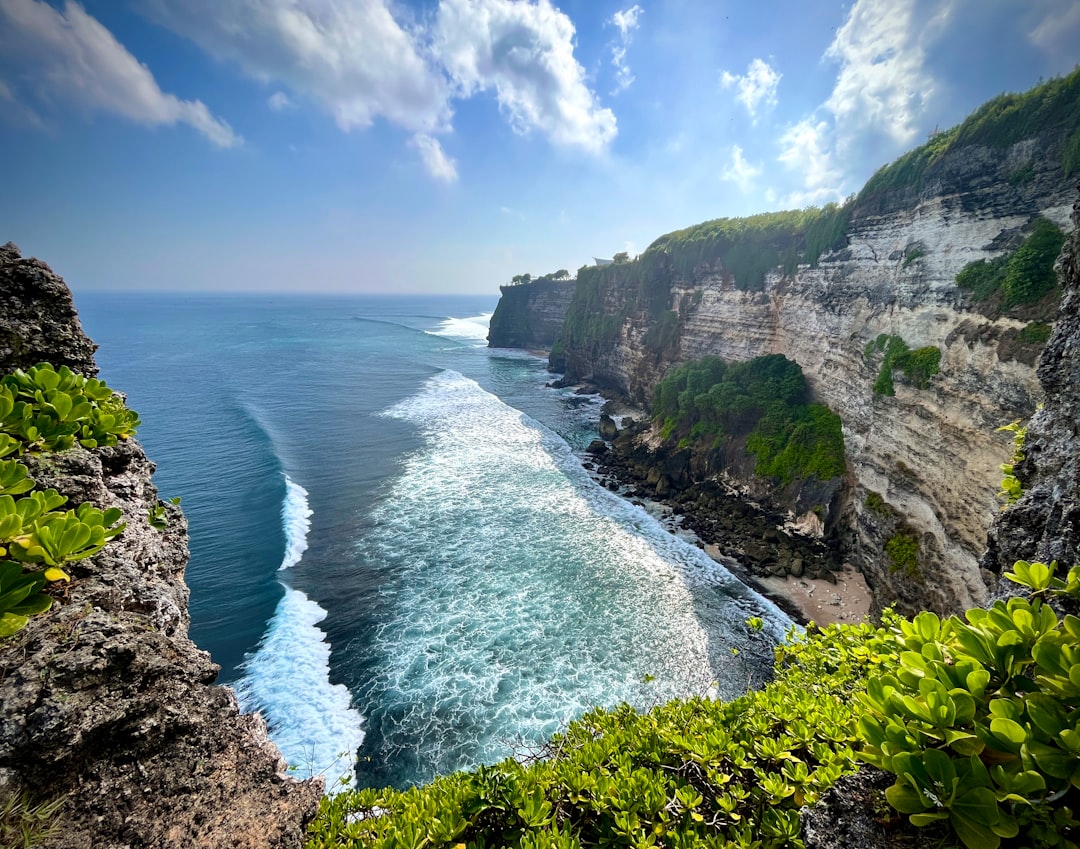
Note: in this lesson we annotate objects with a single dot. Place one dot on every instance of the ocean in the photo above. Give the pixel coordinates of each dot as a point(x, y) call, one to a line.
point(396, 555)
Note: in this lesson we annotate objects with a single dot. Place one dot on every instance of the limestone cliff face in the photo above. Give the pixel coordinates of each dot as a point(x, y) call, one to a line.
point(104, 701)
point(931, 454)
point(530, 315)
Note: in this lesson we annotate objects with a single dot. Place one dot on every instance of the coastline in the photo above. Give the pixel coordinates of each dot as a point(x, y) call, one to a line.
point(824, 596)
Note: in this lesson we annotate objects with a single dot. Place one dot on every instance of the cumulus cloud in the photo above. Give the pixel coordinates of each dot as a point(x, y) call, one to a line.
point(808, 148)
point(361, 63)
point(884, 88)
point(524, 53)
point(739, 171)
point(626, 21)
point(350, 55)
point(438, 164)
point(883, 82)
point(73, 57)
point(279, 101)
point(754, 88)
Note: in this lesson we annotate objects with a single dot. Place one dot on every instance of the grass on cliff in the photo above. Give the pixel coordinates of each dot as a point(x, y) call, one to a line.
point(1023, 277)
point(1052, 108)
point(765, 400)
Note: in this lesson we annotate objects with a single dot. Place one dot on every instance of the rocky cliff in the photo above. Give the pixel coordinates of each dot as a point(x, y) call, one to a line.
point(923, 462)
point(1044, 524)
point(106, 706)
point(530, 315)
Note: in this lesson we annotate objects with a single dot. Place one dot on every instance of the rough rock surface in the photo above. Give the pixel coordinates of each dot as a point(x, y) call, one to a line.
point(530, 315)
point(854, 813)
point(104, 701)
point(37, 318)
point(931, 455)
point(1045, 523)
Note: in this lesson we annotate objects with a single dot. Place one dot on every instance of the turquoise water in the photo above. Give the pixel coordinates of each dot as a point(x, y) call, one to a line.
point(396, 554)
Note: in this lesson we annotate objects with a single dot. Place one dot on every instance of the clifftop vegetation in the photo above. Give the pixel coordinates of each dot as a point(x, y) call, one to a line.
point(1052, 108)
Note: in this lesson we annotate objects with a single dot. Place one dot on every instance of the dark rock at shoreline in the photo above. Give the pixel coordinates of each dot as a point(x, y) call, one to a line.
point(741, 531)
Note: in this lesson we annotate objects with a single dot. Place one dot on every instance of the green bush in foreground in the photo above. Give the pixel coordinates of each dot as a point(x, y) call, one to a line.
point(980, 719)
point(689, 773)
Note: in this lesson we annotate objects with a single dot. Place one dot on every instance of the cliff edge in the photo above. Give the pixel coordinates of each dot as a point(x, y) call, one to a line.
point(106, 706)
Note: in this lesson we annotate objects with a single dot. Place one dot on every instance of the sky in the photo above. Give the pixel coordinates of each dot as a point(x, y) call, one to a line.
point(448, 145)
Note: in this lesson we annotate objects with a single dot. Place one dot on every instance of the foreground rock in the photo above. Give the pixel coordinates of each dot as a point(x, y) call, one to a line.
point(104, 701)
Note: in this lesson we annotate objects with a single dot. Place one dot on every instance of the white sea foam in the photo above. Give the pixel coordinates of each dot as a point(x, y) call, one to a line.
point(287, 678)
point(474, 329)
point(296, 519)
point(311, 720)
point(523, 593)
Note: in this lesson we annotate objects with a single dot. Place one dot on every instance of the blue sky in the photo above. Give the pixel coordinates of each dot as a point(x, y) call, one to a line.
point(446, 145)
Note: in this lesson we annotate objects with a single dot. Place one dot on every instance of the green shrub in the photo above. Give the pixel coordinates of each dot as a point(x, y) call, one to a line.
point(918, 366)
point(1035, 333)
point(1011, 489)
point(1030, 271)
point(876, 503)
point(982, 278)
point(47, 409)
point(689, 773)
point(765, 400)
point(902, 549)
point(1022, 277)
point(1070, 155)
point(978, 719)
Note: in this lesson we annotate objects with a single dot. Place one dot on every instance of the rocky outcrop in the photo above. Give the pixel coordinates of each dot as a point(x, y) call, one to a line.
point(923, 464)
point(1045, 523)
point(105, 704)
point(37, 318)
point(530, 315)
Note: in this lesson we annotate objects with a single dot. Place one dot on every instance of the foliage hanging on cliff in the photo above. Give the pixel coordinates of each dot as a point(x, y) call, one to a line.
point(1023, 277)
point(765, 400)
point(45, 409)
point(918, 366)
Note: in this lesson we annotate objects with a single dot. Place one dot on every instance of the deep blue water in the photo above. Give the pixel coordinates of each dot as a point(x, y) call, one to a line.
point(396, 555)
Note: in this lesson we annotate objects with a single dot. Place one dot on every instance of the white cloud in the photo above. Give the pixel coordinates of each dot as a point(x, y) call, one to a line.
point(756, 87)
point(739, 171)
point(627, 21)
point(279, 101)
point(350, 55)
point(1058, 32)
point(438, 164)
point(73, 57)
point(524, 52)
point(882, 92)
point(883, 83)
point(808, 149)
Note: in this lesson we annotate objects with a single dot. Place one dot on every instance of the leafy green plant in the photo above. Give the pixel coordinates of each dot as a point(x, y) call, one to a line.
point(1035, 333)
point(47, 409)
point(902, 550)
point(1011, 488)
point(918, 366)
point(157, 516)
point(978, 719)
point(1022, 277)
point(765, 401)
point(59, 538)
point(694, 772)
point(21, 596)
